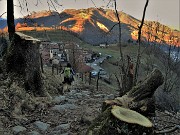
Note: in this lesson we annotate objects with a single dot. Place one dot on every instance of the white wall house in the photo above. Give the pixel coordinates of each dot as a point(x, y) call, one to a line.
point(102, 45)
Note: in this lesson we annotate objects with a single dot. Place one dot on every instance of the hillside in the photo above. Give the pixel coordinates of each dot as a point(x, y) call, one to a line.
point(71, 113)
point(68, 114)
point(94, 26)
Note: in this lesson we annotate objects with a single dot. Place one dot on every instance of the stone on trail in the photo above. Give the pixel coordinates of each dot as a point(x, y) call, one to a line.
point(78, 95)
point(62, 108)
point(72, 92)
point(86, 92)
point(71, 101)
point(41, 125)
point(55, 133)
point(59, 99)
point(18, 129)
point(60, 130)
point(100, 95)
point(64, 134)
point(62, 127)
point(33, 133)
point(111, 96)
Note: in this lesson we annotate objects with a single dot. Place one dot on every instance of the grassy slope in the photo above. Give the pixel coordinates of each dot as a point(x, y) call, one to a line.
point(56, 36)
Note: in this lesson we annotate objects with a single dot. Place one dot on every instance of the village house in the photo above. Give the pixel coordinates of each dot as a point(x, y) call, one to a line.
point(64, 52)
point(45, 43)
point(103, 45)
point(54, 50)
point(50, 50)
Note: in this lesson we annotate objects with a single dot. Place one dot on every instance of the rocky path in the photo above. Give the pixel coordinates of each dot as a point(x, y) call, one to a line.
point(68, 114)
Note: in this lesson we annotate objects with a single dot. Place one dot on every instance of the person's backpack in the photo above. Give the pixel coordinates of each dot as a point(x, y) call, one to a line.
point(67, 72)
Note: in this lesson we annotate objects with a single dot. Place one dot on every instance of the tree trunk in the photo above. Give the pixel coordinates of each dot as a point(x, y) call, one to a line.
point(97, 82)
point(139, 98)
point(147, 87)
point(141, 95)
point(23, 62)
point(89, 78)
point(10, 18)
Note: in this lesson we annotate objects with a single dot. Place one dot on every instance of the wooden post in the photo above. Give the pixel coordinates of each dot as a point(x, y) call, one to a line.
point(82, 77)
point(41, 63)
point(85, 77)
point(89, 78)
point(97, 83)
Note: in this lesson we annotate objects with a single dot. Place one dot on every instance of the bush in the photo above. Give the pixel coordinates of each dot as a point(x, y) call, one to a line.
point(167, 100)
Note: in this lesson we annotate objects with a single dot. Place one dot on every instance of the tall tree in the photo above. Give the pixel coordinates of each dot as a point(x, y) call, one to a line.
point(123, 74)
point(10, 18)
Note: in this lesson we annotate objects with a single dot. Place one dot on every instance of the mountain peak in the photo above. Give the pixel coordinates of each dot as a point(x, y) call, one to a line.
point(2, 18)
point(42, 13)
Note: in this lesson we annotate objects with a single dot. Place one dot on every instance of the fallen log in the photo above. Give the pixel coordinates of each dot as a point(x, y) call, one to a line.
point(139, 98)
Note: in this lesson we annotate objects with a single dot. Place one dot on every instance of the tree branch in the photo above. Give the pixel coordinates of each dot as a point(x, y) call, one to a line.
point(112, 27)
point(176, 127)
point(3, 14)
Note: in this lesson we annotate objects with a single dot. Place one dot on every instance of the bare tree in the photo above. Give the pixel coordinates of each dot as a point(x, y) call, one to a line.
point(139, 43)
point(149, 35)
point(126, 74)
point(171, 77)
point(123, 76)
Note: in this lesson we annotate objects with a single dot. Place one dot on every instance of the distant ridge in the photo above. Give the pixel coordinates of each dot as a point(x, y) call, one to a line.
point(2, 18)
point(94, 26)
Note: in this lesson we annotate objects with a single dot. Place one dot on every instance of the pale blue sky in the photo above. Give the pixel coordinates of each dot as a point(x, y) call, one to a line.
point(165, 11)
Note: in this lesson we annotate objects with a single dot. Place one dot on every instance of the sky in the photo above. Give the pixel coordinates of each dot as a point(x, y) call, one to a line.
point(165, 11)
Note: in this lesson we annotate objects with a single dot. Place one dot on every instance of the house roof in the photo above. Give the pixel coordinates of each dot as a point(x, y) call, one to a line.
point(54, 47)
point(84, 68)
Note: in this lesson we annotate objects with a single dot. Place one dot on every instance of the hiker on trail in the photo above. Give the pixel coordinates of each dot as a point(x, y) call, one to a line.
point(55, 63)
point(68, 74)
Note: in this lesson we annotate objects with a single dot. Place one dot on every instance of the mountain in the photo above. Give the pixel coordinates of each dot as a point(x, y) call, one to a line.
point(93, 25)
point(3, 23)
point(97, 25)
point(43, 13)
point(1, 19)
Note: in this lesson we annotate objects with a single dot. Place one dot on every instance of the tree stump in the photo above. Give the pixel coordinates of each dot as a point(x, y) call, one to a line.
point(23, 62)
point(139, 98)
